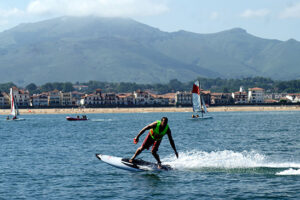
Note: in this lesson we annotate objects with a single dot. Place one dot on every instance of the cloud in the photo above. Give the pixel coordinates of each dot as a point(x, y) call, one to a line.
point(103, 8)
point(14, 12)
point(291, 12)
point(214, 15)
point(255, 13)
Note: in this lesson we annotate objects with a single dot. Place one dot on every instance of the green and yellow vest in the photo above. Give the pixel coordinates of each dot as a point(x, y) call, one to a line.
point(155, 134)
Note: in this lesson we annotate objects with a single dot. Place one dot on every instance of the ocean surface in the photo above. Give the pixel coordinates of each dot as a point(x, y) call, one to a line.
point(235, 155)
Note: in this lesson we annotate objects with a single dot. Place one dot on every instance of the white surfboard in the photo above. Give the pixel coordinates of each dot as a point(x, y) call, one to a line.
point(136, 166)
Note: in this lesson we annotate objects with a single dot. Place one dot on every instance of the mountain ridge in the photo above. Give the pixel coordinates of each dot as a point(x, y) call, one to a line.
point(123, 50)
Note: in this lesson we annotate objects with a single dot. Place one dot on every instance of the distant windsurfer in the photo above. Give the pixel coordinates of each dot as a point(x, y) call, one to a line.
point(157, 131)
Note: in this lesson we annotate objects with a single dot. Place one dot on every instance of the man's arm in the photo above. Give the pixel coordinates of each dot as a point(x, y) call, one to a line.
point(153, 125)
point(172, 141)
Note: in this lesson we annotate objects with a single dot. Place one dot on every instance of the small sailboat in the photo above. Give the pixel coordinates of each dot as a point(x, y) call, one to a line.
point(199, 103)
point(84, 118)
point(14, 108)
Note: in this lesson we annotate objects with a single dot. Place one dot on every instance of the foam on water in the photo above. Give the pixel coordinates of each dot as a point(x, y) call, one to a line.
point(101, 120)
point(289, 172)
point(197, 160)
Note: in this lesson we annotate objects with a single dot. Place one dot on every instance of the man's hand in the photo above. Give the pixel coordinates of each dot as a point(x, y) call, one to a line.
point(135, 140)
point(176, 154)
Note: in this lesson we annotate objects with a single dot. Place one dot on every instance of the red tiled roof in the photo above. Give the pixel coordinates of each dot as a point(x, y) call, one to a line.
point(169, 95)
point(294, 94)
point(244, 93)
point(216, 94)
point(270, 101)
point(124, 95)
point(204, 91)
point(256, 89)
point(88, 95)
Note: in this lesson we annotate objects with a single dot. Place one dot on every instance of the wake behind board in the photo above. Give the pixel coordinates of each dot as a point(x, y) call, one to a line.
point(136, 165)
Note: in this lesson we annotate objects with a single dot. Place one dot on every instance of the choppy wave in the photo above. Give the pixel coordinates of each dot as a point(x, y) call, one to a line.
point(246, 161)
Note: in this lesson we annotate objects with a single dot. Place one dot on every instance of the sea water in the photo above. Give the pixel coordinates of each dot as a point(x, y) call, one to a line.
point(235, 155)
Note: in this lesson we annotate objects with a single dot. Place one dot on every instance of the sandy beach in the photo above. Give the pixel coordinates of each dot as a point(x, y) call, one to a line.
point(150, 109)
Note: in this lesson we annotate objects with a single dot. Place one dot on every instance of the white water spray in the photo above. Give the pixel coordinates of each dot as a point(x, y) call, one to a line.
point(227, 159)
point(289, 172)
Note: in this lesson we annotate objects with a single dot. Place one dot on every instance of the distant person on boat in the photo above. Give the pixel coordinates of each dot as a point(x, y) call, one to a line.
point(7, 118)
point(157, 131)
point(15, 117)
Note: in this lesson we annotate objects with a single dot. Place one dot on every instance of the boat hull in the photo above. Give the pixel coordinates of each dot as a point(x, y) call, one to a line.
point(75, 119)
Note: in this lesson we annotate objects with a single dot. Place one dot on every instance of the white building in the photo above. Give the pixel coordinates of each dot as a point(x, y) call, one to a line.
point(240, 97)
point(76, 98)
point(21, 97)
point(171, 97)
point(93, 99)
point(275, 96)
point(125, 99)
point(110, 98)
point(183, 98)
point(4, 99)
point(294, 98)
point(39, 100)
point(221, 98)
point(54, 98)
point(256, 95)
point(142, 98)
point(160, 99)
point(65, 98)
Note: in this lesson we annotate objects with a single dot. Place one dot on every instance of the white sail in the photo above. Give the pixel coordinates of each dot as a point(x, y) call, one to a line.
point(13, 106)
point(196, 97)
point(199, 103)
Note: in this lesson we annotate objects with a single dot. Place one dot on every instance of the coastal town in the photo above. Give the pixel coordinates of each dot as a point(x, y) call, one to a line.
point(138, 98)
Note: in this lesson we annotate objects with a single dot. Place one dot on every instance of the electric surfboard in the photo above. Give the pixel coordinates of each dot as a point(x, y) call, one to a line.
point(137, 165)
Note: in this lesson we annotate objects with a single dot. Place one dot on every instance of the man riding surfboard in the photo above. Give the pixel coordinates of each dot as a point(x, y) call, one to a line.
point(157, 131)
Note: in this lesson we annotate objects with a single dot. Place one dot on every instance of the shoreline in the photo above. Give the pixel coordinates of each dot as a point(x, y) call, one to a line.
point(149, 109)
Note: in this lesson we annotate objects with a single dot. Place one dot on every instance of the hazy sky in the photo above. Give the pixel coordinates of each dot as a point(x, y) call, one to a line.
point(273, 19)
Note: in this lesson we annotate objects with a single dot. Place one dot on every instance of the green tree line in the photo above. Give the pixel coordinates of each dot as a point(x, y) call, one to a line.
point(214, 85)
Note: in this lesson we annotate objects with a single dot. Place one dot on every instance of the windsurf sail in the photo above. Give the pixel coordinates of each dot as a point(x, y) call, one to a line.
point(196, 97)
point(198, 102)
point(14, 108)
point(203, 105)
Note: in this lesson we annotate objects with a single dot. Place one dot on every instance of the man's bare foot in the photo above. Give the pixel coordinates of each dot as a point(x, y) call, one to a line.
point(159, 166)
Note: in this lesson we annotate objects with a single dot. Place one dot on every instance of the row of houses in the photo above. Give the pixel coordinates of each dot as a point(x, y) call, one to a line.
point(141, 98)
point(253, 96)
point(57, 98)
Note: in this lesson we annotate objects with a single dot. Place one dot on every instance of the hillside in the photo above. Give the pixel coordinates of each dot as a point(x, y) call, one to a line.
point(123, 50)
